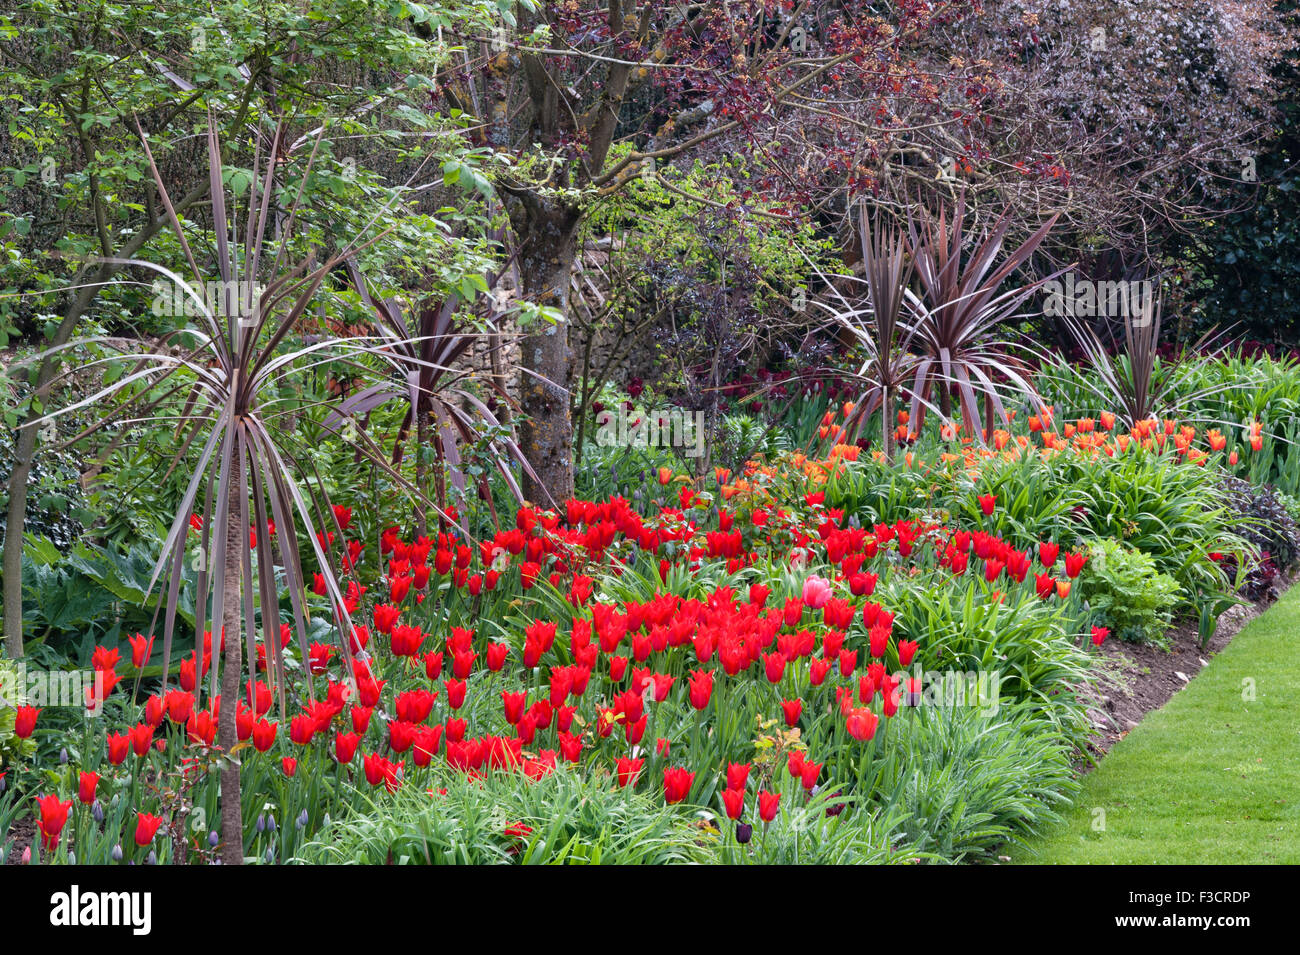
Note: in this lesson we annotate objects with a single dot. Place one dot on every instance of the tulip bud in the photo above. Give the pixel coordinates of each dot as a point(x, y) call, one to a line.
point(261, 823)
point(743, 832)
point(97, 811)
point(213, 839)
point(270, 824)
point(270, 855)
point(152, 858)
point(116, 853)
point(63, 756)
point(302, 819)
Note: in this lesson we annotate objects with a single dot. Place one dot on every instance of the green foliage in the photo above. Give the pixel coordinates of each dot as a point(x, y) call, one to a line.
point(56, 507)
point(1127, 593)
point(827, 829)
point(1027, 644)
point(90, 595)
point(1169, 511)
point(971, 783)
point(571, 820)
point(656, 218)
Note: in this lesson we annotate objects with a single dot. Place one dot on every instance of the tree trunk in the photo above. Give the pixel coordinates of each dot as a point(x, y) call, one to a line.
point(548, 245)
point(24, 451)
point(231, 641)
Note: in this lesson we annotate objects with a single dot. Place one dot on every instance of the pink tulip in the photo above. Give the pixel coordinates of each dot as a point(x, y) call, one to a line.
point(816, 592)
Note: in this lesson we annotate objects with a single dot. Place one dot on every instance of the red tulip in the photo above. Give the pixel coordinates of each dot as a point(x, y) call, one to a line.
point(433, 665)
point(514, 704)
point(86, 784)
point(848, 661)
point(264, 735)
point(361, 719)
point(119, 744)
point(141, 738)
point(861, 724)
point(768, 803)
point(1047, 554)
point(401, 735)
point(414, 706)
point(617, 668)
point(154, 710)
point(792, 709)
point(628, 770)
point(987, 503)
point(810, 773)
point(496, 656)
point(54, 815)
point(141, 650)
point(733, 800)
point(1074, 564)
point(677, 784)
point(455, 693)
point(737, 776)
point(289, 765)
point(180, 704)
point(774, 664)
point(25, 721)
point(428, 739)
point(201, 728)
point(1099, 635)
point(146, 827)
point(570, 747)
point(795, 761)
point(345, 746)
point(701, 688)
point(906, 652)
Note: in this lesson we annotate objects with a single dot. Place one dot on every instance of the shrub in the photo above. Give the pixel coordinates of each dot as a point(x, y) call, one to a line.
point(1262, 518)
point(1127, 593)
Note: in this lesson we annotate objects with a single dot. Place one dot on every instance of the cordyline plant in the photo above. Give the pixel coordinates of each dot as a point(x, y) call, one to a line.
point(422, 343)
point(243, 480)
point(1135, 383)
point(956, 333)
point(879, 325)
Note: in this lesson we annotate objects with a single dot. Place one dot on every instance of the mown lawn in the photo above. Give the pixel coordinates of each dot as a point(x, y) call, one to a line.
point(1211, 777)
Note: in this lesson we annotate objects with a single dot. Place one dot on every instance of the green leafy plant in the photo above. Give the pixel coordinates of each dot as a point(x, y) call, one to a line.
point(1127, 593)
